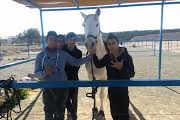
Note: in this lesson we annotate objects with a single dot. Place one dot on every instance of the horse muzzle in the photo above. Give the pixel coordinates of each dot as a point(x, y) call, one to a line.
point(92, 36)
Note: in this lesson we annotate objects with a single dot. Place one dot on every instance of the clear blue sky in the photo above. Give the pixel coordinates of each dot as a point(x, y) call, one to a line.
point(16, 18)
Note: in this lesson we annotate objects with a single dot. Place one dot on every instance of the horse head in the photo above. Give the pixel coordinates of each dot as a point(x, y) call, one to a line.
point(92, 29)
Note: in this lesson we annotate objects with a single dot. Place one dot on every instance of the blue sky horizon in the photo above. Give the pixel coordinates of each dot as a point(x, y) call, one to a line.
point(16, 17)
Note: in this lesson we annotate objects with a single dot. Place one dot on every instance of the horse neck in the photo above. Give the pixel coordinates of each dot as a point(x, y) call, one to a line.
point(100, 47)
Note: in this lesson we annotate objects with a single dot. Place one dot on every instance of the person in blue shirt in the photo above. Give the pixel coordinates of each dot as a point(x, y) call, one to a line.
point(49, 66)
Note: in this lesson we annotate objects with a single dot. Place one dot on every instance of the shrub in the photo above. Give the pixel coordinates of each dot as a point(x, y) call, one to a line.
point(14, 100)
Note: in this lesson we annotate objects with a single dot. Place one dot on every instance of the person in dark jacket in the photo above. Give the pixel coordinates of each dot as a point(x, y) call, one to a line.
point(72, 74)
point(119, 65)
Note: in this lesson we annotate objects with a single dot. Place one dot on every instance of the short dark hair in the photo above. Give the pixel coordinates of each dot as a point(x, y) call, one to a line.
point(61, 37)
point(51, 33)
point(71, 35)
point(112, 36)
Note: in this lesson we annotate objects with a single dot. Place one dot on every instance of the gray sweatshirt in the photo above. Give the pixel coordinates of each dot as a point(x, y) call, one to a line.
point(57, 60)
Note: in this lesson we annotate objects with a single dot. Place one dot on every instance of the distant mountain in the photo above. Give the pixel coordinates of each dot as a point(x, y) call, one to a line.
point(128, 35)
point(169, 34)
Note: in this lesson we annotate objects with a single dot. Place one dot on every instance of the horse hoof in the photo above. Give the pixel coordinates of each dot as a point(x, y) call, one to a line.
point(95, 112)
point(101, 115)
point(69, 117)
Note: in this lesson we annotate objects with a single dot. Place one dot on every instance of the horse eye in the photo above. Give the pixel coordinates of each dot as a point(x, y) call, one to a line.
point(97, 25)
point(84, 25)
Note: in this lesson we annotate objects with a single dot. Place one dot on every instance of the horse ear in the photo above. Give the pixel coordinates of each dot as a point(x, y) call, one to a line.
point(98, 11)
point(83, 15)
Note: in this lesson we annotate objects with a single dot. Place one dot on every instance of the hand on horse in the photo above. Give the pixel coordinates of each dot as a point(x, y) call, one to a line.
point(49, 70)
point(93, 52)
point(118, 65)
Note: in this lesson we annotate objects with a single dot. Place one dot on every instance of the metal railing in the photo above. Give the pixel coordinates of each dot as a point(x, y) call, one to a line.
point(96, 83)
point(15, 63)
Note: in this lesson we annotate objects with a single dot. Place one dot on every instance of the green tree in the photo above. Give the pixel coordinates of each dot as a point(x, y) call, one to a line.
point(29, 36)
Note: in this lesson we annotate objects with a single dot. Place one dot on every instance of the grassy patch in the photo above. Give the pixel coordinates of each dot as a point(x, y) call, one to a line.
point(21, 94)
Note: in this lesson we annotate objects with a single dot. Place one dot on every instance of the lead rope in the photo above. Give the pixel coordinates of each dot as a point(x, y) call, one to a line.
point(94, 89)
point(93, 93)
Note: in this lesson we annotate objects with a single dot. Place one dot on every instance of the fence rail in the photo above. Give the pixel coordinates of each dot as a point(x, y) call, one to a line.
point(96, 83)
point(15, 63)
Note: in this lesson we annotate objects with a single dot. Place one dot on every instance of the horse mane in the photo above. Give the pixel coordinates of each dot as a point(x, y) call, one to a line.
point(101, 49)
point(105, 44)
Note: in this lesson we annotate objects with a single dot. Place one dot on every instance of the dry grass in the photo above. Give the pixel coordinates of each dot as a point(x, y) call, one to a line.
point(12, 53)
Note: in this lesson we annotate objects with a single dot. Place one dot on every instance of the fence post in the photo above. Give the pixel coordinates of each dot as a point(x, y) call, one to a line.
point(154, 48)
point(177, 44)
point(160, 40)
point(42, 29)
point(28, 51)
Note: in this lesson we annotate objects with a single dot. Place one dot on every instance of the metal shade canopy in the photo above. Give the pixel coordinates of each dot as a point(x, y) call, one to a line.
point(76, 3)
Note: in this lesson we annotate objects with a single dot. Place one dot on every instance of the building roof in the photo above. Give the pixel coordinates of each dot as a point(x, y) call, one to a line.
point(155, 37)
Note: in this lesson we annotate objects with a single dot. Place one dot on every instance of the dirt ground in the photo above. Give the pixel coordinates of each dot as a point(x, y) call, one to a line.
point(147, 103)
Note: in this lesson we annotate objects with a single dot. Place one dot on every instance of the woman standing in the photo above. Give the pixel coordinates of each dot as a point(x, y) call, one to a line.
point(49, 66)
point(119, 65)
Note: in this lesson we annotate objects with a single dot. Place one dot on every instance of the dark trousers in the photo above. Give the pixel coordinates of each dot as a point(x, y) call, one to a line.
point(54, 103)
point(119, 103)
point(72, 102)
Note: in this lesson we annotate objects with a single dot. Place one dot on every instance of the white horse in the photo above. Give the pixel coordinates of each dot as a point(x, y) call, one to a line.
point(94, 42)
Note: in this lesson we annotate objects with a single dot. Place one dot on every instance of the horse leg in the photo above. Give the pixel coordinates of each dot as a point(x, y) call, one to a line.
point(101, 115)
point(102, 95)
point(95, 113)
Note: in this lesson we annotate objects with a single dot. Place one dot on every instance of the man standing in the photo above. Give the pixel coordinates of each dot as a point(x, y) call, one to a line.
point(47, 68)
point(72, 74)
point(50, 67)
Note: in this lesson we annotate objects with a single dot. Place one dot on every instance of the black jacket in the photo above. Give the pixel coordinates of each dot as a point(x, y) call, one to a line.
point(72, 71)
point(126, 72)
